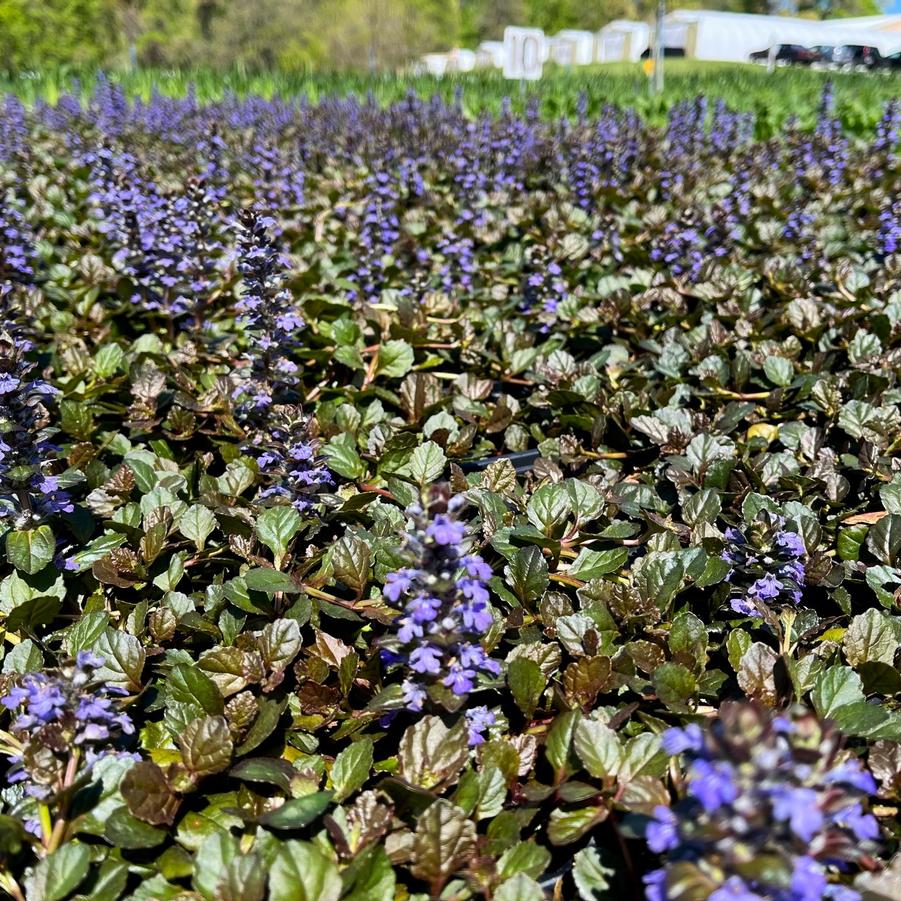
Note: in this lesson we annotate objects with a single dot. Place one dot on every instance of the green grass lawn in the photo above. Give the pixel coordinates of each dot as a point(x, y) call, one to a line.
point(771, 96)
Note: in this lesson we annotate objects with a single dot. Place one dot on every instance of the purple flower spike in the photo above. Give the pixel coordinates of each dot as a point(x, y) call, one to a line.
point(444, 610)
point(763, 785)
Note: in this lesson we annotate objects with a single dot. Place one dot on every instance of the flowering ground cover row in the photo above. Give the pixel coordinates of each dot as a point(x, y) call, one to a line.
point(403, 505)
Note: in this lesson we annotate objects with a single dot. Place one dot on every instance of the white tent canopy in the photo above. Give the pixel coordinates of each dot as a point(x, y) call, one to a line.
point(573, 48)
point(490, 54)
point(622, 41)
point(733, 37)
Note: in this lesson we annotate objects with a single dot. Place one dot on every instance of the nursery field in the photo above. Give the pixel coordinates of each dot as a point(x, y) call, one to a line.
point(418, 498)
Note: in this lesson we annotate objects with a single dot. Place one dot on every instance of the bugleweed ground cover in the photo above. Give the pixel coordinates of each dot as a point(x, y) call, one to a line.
point(397, 504)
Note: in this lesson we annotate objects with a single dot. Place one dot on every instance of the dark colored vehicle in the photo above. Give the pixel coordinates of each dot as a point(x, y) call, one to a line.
point(668, 52)
point(853, 55)
point(793, 54)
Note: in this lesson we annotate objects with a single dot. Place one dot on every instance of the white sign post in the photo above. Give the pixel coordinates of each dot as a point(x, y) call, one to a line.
point(523, 53)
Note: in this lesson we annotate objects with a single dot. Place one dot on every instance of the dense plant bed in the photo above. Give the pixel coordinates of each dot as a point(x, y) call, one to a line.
point(403, 505)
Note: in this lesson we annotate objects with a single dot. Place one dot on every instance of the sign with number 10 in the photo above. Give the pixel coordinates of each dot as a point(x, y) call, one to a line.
point(523, 52)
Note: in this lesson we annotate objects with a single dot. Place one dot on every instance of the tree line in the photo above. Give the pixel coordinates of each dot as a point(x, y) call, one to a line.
point(308, 34)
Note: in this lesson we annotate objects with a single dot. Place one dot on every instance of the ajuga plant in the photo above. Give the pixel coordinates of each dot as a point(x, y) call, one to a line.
point(17, 256)
point(269, 317)
point(279, 434)
point(62, 721)
point(287, 455)
point(442, 596)
point(29, 491)
point(766, 566)
point(771, 808)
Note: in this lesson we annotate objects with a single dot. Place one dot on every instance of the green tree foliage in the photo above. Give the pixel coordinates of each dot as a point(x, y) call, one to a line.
point(297, 34)
point(37, 33)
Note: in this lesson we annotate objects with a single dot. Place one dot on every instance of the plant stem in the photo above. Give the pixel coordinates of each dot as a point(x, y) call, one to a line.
point(46, 823)
point(59, 827)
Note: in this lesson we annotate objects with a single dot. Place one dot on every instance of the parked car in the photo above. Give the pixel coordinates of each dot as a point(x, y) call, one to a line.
point(668, 52)
point(892, 61)
point(850, 56)
point(788, 54)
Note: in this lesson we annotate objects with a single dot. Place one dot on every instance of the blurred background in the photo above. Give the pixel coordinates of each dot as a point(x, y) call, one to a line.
point(322, 35)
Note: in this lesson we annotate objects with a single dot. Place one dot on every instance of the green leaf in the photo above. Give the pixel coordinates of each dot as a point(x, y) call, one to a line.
point(519, 888)
point(214, 855)
point(188, 684)
point(559, 739)
point(660, 576)
point(123, 659)
point(97, 550)
point(76, 420)
point(643, 756)
point(834, 688)
point(567, 826)
point(528, 858)
point(59, 874)
point(206, 745)
point(342, 457)
point(430, 754)
point(276, 526)
point(737, 645)
point(527, 574)
point(280, 643)
point(874, 636)
point(838, 695)
point(884, 539)
point(594, 564)
point(445, 840)
point(270, 581)
point(490, 793)
point(32, 613)
point(31, 550)
point(369, 876)
point(244, 879)
point(351, 768)
point(122, 830)
point(527, 682)
point(548, 509)
point(83, 633)
point(12, 836)
point(755, 673)
point(297, 812)
point(196, 524)
point(301, 872)
point(25, 657)
point(688, 641)
point(585, 500)
point(427, 464)
point(270, 770)
point(263, 726)
point(108, 884)
point(147, 794)
point(599, 748)
point(675, 685)
point(702, 507)
point(225, 667)
point(395, 359)
point(590, 875)
point(351, 558)
point(779, 370)
point(107, 360)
